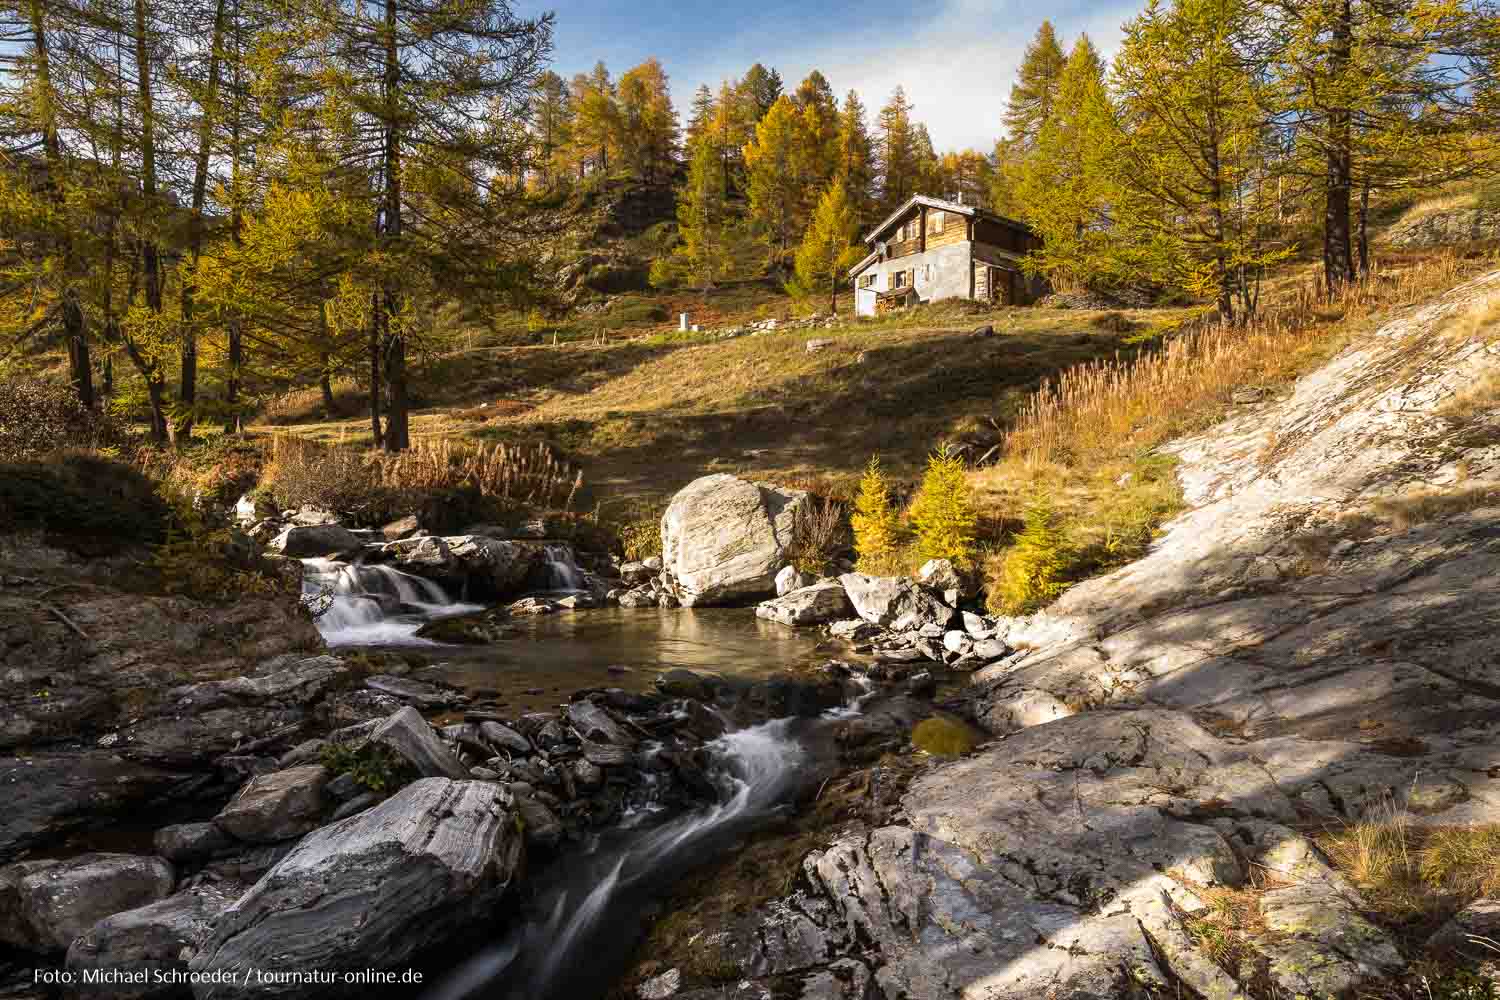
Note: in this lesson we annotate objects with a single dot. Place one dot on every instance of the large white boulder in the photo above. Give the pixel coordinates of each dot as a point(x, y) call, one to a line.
point(814, 605)
point(724, 539)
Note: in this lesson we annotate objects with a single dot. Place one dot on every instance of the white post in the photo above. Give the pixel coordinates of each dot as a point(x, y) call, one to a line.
point(682, 322)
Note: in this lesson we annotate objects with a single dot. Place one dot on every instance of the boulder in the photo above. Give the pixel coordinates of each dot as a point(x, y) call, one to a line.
point(371, 891)
point(190, 841)
point(1469, 929)
point(791, 578)
point(894, 602)
point(409, 736)
point(636, 573)
point(641, 597)
point(149, 943)
point(306, 541)
point(412, 692)
point(940, 575)
point(814, 605)
point(44, 905)
point(488, 568)
point(401, 528)
point(542, 827)
point(504, 737)
point(299, 684)
point(593, 723)
point(724, 539)
point(276, 806)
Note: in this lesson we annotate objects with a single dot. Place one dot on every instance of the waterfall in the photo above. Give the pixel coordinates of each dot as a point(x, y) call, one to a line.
point(562, 570)
point(369, 605)
point(588, 907)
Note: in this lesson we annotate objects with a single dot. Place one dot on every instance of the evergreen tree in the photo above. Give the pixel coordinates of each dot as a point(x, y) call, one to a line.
point(828, 249)
point(1192, 141)
point(1034, 93)
point(943, 511)
point(596, 119)
point(700, 120)
point(647, 121)
point(761, 87)
point(1066, 187)
point(551, 124)
point(712, 246)
point(818, 150)
point(856, 159)
point(877, 528)
point(776, 187)
point(897, 152)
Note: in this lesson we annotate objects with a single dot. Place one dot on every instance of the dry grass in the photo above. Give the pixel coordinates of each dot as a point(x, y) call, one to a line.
point(1416, 874)
point(820, 531)
point(1113, 405)
point(1422, 507)
point(1079, 434)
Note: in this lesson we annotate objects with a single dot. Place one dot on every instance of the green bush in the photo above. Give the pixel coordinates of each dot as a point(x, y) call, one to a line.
point(1033, 570)
point(373, 766)
point(84, 502)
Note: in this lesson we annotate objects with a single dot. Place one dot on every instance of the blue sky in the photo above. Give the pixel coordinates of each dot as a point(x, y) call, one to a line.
point(956, 58)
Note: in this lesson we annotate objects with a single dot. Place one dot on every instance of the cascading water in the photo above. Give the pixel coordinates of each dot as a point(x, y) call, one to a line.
point(587, 912)
point(370, 605)
point(562, 570)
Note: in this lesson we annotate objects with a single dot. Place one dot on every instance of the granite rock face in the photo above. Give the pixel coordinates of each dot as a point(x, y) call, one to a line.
point(373, 890)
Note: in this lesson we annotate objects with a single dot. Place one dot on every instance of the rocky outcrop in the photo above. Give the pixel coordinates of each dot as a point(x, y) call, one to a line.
point(725, 539)
point(373, 890)
point(306, 541)
point(44, 905)
point(487, 568)
point(894, 602)
point(408, 735)
point(1445, 228)
point(276, 806)
point(140, 949)
point(815, 605)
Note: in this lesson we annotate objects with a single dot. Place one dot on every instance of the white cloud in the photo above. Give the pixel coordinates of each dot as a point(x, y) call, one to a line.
point(957, 63)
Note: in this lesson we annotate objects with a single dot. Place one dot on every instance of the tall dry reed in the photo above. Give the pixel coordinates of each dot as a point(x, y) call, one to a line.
point(1122, 404)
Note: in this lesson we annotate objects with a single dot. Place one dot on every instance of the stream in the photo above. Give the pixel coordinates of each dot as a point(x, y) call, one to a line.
point(585, 913)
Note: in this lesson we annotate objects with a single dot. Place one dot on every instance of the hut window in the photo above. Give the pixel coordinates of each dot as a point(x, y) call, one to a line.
point(937, 221)
point(867, 281)
point(898, 279)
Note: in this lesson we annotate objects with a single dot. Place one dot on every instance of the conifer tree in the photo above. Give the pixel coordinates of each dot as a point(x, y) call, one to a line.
point(897, 152)
point(828, 249)
point(856, 159)
point(818, 150)
point(760, 88)
point(711, 245)
point(776, 186)
point(647, 121)
point(943, 511)
point(1034, 93)
point(551, 124)
point(700, 120)
point(876, 525)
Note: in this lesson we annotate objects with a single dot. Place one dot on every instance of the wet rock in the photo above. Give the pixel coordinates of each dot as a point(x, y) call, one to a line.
point(372, 891)
point(814, 605)
point(700, 720)
point(504, 737)
point(44, 905)
point(276, 806)
point(587, 775)
point(636, 573)
point(409, 736)
point(342, 787)
point(641, 597)
point(412, 692)
point(301, 683)
point(47, 795)
point(151, 942)
point(542, 827)
point(529, 606)
point(306, 541)
point(683, 684)
point(190, 841)
point(593, 723)
point(469, 630)
point(356, 805)
point(724, 539)
point(660, 987)
point(401, 528)
point(606, 755)
point(894, 602)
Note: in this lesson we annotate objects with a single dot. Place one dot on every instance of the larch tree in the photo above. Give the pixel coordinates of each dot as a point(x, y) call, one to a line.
point(1034, 93)
point(828, 248)
point(1192, 201)
point(896, 151)
point(819, 148)
point(710, 246)
point(596, 119)
point(776, 187)
point(700, 120)
point(647, 121)
point(856, 159)
point(551, 124)
point(760, 89)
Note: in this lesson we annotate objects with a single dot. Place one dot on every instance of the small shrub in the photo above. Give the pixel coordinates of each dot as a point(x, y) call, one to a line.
point(1032, 570)
point(203, 559)
point(943, 512)
point(38, 417)
point(818, 534)
point(82, 501)
point(372, 766)
point(876, 525)
point(944, 737)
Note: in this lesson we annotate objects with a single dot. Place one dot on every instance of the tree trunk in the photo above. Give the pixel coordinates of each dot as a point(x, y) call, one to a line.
point(161, 428)
point(376, 430)
point(81, 369)
point(391, 298)
point(326, 385)
point(1364, 230)
point(1338, 251)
